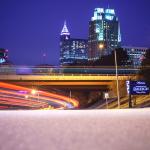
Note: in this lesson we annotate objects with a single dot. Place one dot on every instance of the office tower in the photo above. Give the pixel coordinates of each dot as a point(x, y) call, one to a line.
point(136, 55)
point(65, 45)
point(104, 33)
point(72, 50)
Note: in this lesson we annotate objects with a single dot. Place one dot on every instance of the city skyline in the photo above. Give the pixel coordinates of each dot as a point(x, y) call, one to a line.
point(32, 28)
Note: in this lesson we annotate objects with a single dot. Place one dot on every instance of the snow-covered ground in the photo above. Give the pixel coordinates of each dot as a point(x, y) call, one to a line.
point(75, 130)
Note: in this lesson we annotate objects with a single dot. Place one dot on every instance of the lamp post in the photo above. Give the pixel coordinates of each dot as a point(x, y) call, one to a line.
point(44, 58)
point(101, 46)
point(70, 94)
point(117, 81)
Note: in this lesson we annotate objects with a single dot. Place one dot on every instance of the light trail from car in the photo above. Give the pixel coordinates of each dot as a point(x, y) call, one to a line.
point(22, 96)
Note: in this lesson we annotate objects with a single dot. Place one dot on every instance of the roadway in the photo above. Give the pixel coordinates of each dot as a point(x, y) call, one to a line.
point(75, 129)
point(138, 101)
point(18, 97)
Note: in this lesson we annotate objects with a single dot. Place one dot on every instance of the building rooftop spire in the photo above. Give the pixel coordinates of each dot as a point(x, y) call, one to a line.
point(65, 30)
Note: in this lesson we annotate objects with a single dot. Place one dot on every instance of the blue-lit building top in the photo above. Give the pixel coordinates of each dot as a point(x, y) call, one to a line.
point(72, 50)
point(3, 56)
point(104, 30)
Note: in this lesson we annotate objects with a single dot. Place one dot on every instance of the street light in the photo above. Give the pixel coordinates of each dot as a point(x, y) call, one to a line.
point(101, 46)
point(117, 81)
point(34, 92)
point(70, 94)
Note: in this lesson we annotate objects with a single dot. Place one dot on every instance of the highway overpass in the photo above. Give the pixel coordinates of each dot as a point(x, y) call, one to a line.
point(58, 80)
point(87, 78)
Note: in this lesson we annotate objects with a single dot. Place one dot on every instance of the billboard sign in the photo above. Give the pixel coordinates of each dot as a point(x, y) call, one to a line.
point(139, 88)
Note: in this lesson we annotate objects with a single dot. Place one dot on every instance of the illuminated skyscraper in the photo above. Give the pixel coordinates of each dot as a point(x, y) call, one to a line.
point(3, 55)
point(72, 50)
point(104, 33)
point(64, 45)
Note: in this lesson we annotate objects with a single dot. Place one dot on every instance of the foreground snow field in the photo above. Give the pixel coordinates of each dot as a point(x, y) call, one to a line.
point(75, 130)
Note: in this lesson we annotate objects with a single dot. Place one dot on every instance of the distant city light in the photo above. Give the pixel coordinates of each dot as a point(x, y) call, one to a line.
point(26, 96)
point(2, 60)
point(110, 11)
point(33, 92)
point(44, 54)
point(23, 92)
point(109, 17)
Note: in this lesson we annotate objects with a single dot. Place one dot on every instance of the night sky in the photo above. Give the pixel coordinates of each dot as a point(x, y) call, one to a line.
point(29, 28)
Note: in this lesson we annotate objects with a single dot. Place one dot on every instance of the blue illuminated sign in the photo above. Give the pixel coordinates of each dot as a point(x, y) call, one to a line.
point(139, 88)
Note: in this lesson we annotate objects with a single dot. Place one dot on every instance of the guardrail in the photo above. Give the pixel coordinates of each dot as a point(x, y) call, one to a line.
point(65, 77)
point(25, 70)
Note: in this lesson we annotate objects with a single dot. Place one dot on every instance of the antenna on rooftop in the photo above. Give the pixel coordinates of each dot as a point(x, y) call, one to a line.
point(108, 6)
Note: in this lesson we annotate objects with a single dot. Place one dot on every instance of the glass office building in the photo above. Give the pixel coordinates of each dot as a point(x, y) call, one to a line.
point(104, 33)
point(136, 55)
point(72, 50)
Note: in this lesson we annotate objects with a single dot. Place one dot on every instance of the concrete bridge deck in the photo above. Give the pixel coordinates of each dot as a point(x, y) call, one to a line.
point(66, 77)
